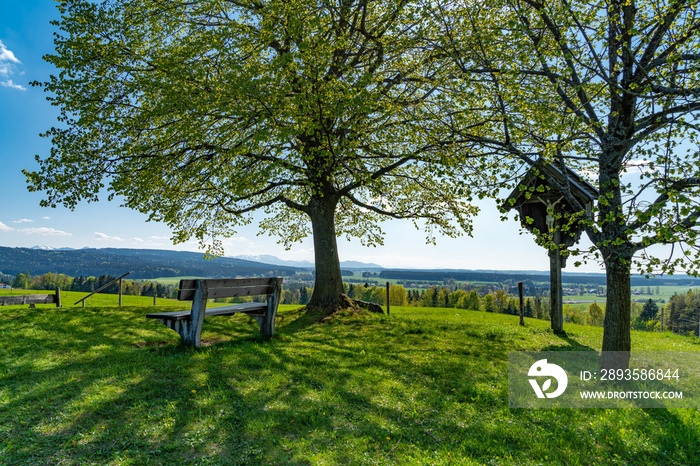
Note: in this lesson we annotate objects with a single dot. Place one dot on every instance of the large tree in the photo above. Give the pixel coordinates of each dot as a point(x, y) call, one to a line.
point(609, 88)
point(318, 113)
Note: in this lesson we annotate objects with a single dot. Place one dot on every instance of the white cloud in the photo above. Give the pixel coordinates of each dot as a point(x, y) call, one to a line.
point(43, 231)
point(633, 166)
point(158, 237)
point(298, 254)
point(46, 218)
point(7, 67)
point(236, 241)
point(23, 220)
point(136, 239)
point(102, 236)
point(7, 55)
point(12, 85)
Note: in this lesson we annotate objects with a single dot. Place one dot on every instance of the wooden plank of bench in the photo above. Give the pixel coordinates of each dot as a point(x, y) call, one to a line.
point(27, 299)
point(215, 311)
point(188, 295)
point(230, 287)
point(189, 284)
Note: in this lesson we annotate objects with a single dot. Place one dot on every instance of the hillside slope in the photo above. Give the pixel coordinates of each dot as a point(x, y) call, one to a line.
point(142, 263)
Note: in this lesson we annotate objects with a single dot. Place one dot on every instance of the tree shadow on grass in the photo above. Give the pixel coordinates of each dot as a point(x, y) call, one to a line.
point(567, 344)
point(80, 391)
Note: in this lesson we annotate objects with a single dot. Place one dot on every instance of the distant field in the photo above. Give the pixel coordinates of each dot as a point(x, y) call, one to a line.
point(68, 299)
point(105, 385)
point(171, 280)
point(103, 301)
point(665, 292)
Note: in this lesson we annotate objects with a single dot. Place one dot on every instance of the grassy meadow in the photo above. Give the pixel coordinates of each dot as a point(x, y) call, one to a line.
point(104, 385)
point(69, 298)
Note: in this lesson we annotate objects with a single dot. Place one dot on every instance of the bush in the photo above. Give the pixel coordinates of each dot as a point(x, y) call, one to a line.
point(646, 325)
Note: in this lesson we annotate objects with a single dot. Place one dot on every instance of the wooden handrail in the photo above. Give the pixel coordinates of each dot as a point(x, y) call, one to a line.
point(100, 289)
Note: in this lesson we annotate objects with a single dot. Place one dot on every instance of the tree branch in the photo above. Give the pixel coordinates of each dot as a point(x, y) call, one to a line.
point(361, 204)
point(692, 220)
point(590, 115)
point(653, 122)
point(345, 191)
point(660, 201)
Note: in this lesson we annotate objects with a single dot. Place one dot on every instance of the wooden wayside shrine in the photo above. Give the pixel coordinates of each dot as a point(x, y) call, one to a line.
point(545, 212)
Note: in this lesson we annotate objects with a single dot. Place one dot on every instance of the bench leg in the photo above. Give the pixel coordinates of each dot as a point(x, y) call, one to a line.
point(187, 332)
point(180, 326)
point(267, 320)
point(190, 329)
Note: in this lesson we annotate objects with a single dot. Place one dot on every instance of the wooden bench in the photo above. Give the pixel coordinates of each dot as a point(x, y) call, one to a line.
point(189, 323)
point(32, 299)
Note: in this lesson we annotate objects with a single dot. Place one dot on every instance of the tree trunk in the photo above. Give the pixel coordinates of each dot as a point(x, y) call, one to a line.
point(617, 253)
point(617, 341)
point(328, 286)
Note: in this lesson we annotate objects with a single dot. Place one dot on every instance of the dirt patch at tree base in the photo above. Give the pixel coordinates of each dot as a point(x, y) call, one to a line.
point(347, 308)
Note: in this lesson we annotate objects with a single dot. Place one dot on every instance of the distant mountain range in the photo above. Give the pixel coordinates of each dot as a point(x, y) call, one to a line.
point(142, 263)
point(150, 263)
point(263, 259)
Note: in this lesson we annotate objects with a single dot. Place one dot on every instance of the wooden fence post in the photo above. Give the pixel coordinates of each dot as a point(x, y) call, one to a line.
point(672, 313)
point(58, 297)
point(522, 304)
point(388, 303)
point(120, 292)
point(154, 300)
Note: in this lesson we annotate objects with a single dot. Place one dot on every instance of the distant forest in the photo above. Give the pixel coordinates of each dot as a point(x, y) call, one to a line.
point(142, 263)
point(499, 277)
point(147, 264)
point(51, 281)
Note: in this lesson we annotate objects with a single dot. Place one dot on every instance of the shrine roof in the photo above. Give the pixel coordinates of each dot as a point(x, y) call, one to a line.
point(580, 188)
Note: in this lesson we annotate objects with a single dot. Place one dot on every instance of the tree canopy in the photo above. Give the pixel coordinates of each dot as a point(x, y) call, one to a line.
point(318, 113)
point(609, 88)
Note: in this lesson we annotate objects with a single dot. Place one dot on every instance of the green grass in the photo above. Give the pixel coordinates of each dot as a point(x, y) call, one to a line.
point(68, 298)
point(104, 385)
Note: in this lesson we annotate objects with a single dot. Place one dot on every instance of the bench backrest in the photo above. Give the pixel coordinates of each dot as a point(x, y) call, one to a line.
point(229, 287)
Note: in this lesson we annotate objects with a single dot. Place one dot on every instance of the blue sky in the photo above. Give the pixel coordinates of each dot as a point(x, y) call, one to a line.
point(26, 35)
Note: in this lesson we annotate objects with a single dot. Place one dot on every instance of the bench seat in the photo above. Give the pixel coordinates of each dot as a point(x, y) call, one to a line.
point(216, 311)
